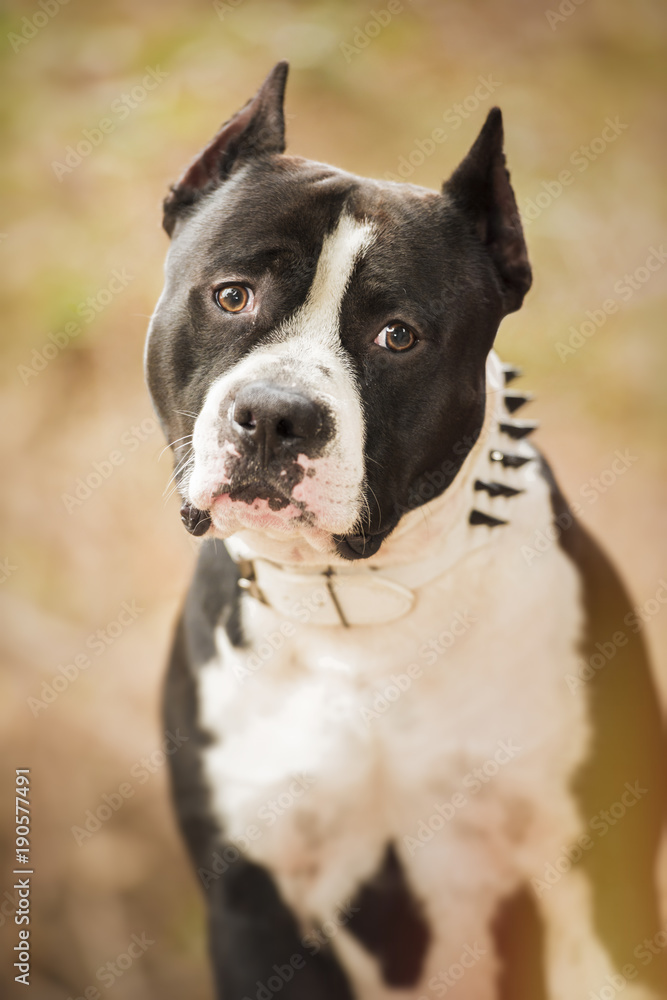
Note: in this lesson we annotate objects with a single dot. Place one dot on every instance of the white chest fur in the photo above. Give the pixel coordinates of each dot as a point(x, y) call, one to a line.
point(451, 732)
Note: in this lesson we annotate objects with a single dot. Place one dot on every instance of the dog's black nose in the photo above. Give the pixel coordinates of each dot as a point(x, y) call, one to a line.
point(272, 418)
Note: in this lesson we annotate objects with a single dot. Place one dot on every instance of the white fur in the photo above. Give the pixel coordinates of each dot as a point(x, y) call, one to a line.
point(299, 706)
point(297, 353)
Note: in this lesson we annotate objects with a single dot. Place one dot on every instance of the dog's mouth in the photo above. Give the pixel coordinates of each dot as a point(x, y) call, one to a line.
point(291, 495)
point(353, 546)
point(264, 506)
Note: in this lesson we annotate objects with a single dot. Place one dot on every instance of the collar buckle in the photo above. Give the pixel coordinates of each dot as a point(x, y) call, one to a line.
point(247, 581)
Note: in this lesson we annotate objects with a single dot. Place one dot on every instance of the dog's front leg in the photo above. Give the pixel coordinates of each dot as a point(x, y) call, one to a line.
point(580, 964)
point(256, 945)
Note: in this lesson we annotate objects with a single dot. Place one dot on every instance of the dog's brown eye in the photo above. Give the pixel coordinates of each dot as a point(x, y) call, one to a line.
point(396, 337)
point(233, 298)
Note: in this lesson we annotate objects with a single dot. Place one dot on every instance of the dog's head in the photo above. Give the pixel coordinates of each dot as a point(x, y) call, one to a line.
point(318, 352)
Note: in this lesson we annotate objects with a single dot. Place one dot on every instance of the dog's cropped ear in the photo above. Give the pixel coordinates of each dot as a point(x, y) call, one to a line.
point(481, 187)
point(257, 129)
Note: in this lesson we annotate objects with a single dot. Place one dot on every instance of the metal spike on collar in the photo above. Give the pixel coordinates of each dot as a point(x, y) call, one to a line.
point(519, 430)
point(496, 489)
point(510, 372)
point(515, 400)
point(479, 517)
point(508, 461)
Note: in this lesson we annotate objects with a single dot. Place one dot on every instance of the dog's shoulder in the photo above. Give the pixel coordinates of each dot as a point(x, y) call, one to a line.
point(615, 672)
point(620, 786)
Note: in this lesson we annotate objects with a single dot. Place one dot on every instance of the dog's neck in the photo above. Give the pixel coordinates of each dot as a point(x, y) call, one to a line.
point(426, 543)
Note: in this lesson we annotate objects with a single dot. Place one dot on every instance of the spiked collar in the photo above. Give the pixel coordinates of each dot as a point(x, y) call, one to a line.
point(473, 506)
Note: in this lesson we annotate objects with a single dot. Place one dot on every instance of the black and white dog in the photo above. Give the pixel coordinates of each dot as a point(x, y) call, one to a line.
point(425, 749)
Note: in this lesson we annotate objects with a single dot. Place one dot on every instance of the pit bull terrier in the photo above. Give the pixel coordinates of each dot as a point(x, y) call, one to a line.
point(424, 748)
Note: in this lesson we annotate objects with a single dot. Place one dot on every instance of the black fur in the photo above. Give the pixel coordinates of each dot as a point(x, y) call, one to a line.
point(389, 923)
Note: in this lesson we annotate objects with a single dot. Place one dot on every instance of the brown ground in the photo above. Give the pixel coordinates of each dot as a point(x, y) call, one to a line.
point(60, 242)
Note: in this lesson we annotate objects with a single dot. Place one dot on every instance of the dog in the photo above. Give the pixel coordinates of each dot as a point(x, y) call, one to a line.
point(413, 767)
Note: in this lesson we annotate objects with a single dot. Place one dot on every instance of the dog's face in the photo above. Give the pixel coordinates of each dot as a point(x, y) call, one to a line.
point(323, 337)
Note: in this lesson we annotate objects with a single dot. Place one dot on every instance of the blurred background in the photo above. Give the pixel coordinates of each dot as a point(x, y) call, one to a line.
point(102, 106)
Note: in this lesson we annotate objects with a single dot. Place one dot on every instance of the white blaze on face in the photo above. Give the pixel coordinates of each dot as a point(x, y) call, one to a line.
point(304, 352)
point(320, 313)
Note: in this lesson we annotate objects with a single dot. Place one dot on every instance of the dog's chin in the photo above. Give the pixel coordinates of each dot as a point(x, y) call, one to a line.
point(259, 514)
point(284, 525)
point(277, 523)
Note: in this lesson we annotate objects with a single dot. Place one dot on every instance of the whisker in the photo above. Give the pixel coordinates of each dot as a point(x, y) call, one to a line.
point(378, 506)
point(182, 485)
point(179, 487)
point(189, 457)
point(172, 444)
point(182, 463)
point(176, 476)
point(424, 513)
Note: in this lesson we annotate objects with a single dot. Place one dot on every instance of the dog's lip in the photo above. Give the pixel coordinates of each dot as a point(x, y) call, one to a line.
point(224, 495)
point(268, 511)
point(360, 545)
